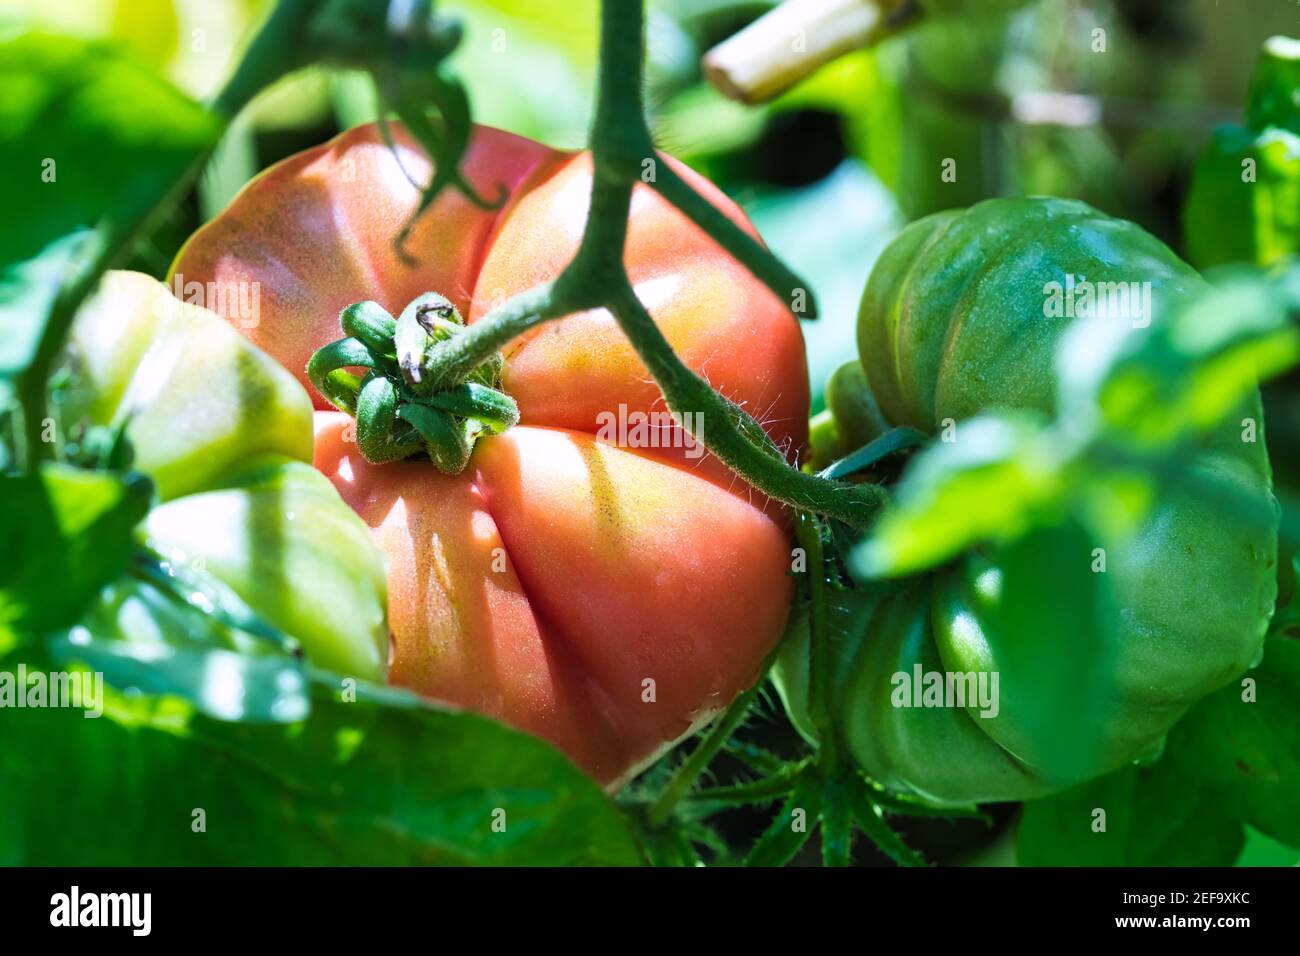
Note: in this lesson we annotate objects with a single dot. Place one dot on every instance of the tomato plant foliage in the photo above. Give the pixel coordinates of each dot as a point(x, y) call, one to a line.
point(243, 719)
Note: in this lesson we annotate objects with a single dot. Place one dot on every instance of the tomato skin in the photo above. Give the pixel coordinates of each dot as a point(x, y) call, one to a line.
point(952, 324)
point(308, 236)
point(547, 583)
point(607, 599)
point(226, 435)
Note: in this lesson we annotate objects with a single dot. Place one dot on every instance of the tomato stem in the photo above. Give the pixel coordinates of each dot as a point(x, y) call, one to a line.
point(454, 359)
point(270, 56)
point(731, 434)
point(622, 152)
point(809, 534)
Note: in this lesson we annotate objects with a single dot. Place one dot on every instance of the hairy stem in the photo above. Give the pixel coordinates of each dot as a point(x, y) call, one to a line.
point(724, 425)
point(808, 531)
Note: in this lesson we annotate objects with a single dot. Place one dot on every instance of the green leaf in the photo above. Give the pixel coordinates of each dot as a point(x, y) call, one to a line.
point(1248, 751)
point(220, 683)
point(907, 806)
point(28, 293)
point(1261, 851)
point(87, 135)
point(67, 533)
point(385, 779)
point(868, 814)
point(1049, 621)
point(762, 791)
point(88, 139)
point(1229, 763)
point(991, 483)
point(165, 628)
point(1135, 817)
point(670, 847)
point(792, 826)
point(754, 757)
point(1153, 388)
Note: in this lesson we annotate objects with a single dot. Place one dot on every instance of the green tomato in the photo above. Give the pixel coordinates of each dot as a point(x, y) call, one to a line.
point(226, 435)
point(195, 399)
point(281, 538)
point(851, 418)
point(955, 321)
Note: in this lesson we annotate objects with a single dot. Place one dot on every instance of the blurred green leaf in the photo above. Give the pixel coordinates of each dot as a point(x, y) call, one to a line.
point(67, 533)
point(28, 293)
point(998, 475)
point(1248, 751)
point(1229, 763)
point(1150, 818)
point(385, 779)
point(1261, 851)
point(1154, 387)
point(171, 630)
point(220, 683)
point(87, 135)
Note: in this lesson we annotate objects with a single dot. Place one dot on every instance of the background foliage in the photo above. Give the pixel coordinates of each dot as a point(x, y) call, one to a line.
point(829, 172)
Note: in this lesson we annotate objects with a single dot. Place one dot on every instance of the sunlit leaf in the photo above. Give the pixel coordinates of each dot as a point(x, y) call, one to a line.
point(1156, 387)
point(990, 483)
point(68, 533)
point(383, 779)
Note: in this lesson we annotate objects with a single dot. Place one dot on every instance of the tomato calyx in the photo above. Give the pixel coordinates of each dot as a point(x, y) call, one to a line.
point(399, 409)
